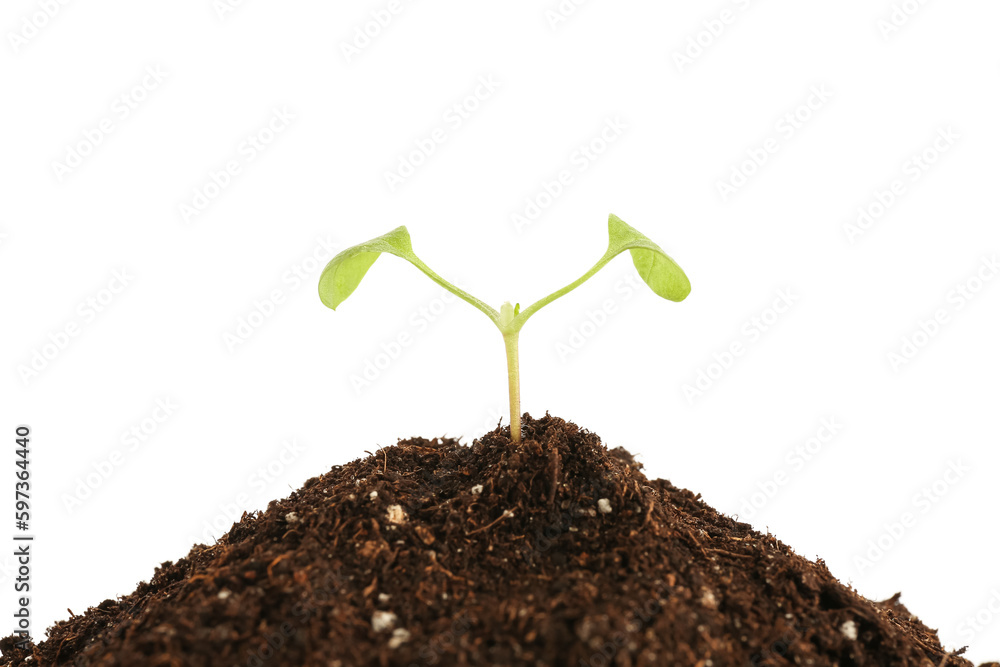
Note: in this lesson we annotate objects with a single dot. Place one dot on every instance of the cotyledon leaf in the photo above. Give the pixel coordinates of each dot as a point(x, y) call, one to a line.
point(344, 272)
point(655, 267)
point(661, 273)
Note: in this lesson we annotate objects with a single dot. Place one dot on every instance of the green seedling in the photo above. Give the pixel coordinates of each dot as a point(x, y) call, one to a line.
point(344, 272)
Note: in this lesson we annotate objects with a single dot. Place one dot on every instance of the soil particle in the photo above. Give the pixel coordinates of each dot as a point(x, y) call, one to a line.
point(555, 551)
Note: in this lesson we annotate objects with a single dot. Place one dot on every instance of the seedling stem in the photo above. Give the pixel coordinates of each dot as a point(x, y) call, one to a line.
point(344, 272)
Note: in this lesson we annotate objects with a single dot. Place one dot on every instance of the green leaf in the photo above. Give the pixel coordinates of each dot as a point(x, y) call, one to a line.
point(655, 267)
point(344, 272)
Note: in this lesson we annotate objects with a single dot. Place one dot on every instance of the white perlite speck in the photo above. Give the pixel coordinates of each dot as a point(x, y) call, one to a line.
point(383, 620)
point(373, 495)
point(708, 600)
point(399, 635)
point(224, 593)
point(292, 517)
point(477, 489)
point(395, 514)
point(850, 630)
point(604, 505)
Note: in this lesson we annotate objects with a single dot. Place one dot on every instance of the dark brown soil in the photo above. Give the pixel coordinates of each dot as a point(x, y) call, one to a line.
point(433, 553)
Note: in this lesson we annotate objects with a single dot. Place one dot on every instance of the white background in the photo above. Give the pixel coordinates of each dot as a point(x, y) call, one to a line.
point(684, 127)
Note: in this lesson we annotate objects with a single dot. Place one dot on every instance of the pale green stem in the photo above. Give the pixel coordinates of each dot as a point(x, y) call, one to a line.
point(535, 307)
point(460, 293)
point(509, 319)
point(514, 382)
point(510, 325)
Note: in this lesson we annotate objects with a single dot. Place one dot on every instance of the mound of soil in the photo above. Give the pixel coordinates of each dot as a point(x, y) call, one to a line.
point(555, 551)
